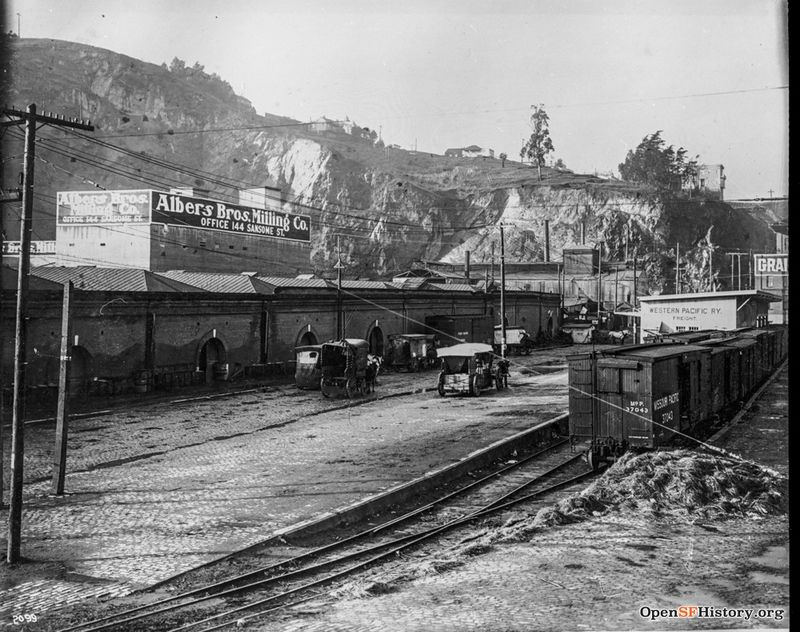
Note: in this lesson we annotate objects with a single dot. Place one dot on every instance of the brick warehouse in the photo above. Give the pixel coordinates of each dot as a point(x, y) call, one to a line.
point(136, 328)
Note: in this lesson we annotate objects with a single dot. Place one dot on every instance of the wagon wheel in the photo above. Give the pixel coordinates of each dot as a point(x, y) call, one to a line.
point(474, 389)
point(440, 385)
point(498, 381)
point(349, 388)
point(322, 388)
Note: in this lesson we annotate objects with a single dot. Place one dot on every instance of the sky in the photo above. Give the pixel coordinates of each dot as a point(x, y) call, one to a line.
point(434, 74)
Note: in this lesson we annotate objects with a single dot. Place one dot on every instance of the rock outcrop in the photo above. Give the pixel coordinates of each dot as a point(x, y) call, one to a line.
point(160, 127)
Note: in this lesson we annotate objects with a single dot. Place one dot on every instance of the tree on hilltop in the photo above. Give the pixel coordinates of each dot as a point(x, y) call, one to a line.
point(660, 165)
point(539, 144)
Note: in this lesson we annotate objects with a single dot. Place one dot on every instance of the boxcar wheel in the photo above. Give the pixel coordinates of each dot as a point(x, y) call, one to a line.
point(593, 458)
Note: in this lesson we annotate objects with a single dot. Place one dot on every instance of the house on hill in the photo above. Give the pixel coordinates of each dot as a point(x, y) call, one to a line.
point(709, 180)
point(473, 151)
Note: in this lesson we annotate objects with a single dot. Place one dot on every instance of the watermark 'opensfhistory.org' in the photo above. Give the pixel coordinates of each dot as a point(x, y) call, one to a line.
point(711, 612)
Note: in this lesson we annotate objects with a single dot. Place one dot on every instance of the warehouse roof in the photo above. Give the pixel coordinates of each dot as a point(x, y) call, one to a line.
point(111, 279)
point(221, 282)
point(706, 295)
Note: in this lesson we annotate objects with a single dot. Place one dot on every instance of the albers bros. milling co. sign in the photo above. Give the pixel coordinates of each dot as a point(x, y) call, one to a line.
point(145, 206)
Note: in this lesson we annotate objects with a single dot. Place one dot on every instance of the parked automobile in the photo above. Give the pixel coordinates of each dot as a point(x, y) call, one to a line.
point(468, 368)
point(308, 366)
point(413, 352)
point(517, 340)
point(346, 367)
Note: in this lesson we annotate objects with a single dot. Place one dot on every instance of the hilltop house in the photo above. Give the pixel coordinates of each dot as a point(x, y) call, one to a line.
point(473, 151)
point(709, 180)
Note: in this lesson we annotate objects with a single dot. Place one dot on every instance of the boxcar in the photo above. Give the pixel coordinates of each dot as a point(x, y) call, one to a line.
point(747, 369)
point(724, 374)
point(762, 362)
point(643, 396)
point(637, 397)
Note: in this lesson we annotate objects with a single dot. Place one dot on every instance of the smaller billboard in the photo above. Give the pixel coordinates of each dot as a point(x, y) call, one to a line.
point(771, 265)
point(37, 248)
point(102, 207)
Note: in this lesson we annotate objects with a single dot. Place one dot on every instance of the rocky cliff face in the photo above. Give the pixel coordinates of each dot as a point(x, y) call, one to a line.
point(161, 128)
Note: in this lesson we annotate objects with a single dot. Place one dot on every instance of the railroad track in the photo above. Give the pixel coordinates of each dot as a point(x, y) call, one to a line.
point(298, 572)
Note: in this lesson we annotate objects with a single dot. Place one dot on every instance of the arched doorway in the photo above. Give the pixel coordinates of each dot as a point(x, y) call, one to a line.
point(211, 356)
point(308, 338)
point(376, 341)
point(80, 369)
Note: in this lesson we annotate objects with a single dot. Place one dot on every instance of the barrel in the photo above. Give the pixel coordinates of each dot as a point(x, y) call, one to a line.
point(141, 382)
point(221, 371)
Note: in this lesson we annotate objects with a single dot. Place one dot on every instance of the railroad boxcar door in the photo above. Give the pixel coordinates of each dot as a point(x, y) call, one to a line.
point(581, 395)
point(615, 381)
point(636, 403)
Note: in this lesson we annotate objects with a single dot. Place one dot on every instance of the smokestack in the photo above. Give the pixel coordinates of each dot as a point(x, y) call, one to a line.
point(547, 240)
point(466, 265)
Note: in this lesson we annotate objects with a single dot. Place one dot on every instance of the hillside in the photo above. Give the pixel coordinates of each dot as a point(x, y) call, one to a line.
point(158, 127)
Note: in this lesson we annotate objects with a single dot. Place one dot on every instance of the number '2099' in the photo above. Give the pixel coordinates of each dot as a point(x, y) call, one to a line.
point(24, 618)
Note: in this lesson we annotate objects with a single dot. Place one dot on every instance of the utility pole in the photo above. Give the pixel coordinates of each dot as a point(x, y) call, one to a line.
point(6, 196)
point(635, 334)
point(547, 240)
point(502, 293)
point(30, 118)
point(339, 266)
point(677, 268)
point(599, 281)
point(62, 410)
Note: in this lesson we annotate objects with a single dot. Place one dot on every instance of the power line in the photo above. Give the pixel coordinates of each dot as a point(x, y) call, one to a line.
point(213, 130)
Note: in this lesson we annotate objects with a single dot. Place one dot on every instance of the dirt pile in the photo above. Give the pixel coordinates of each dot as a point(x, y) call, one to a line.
point(678, 482)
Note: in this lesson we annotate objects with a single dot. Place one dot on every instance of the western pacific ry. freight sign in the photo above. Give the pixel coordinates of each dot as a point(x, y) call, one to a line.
point(182, 210)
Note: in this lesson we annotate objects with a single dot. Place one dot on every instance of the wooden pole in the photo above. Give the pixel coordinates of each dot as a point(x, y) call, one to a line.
point(62, 412)
point(31, 119)
point(677, 268)
point(502, 293)
point(18, 405)
point(547, 240)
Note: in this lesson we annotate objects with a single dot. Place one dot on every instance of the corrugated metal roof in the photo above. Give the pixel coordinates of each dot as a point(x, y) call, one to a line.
point(454, 287)
point(291, 282)
point(220, 282)
point(89, 278)
point(411, 283)
point(9, 276)
point(364, 285)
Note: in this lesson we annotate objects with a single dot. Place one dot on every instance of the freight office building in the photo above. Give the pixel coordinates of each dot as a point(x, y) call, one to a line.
point(671, 313)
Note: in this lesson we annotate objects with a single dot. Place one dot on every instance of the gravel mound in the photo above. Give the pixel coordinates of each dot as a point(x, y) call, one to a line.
point(680, 482)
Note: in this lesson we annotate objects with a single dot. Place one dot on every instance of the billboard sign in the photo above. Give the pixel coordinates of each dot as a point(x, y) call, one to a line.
point(184, 210)
point(771, 265)
point(102, 207)
point(12, 248)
